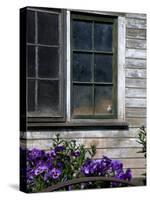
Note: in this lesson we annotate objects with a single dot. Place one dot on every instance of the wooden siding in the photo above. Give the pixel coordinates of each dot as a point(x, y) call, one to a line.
point(117, 144)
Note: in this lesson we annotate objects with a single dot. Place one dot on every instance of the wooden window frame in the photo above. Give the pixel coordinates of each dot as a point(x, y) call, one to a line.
point(93, 19)
point(32, 118)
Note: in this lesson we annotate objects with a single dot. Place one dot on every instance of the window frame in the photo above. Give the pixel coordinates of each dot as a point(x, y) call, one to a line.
point(67, 121)
point(104, 19)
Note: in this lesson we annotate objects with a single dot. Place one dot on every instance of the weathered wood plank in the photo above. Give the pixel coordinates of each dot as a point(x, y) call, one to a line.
point(135, 63)
point(135, 112)
point(136, 23)
point(138, 172)
point(135, 53)
point(136, 15)
point(136, 122)
point(135, 83)
point(135, 102)
point(119, 153)
point(133, 163)
point(80, 134)
point(100, 143)
point(135, 73)
point(136, 33)
point(134, 92)
point(136, 43)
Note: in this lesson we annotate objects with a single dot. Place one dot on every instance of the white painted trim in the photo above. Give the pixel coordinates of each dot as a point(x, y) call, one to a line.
point(121, 66)
point(68, 69)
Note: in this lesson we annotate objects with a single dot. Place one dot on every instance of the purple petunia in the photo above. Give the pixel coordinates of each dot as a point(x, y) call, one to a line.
point(59, 148)
point(75, 153)
point(55, 173)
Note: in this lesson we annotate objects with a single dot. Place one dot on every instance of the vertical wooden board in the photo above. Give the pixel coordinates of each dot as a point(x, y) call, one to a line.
point(135, 83)
point(136, 23)
point(136, 33)
point(134, 92)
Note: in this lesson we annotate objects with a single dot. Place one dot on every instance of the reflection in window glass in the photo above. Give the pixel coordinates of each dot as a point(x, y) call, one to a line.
point(31, 61)
point(48, 28)
point(48, 62)
point(48, 97)
point(31, 95)
point(82, 35)
point(103, 68)
point(31, 26)
point(103, 37)
point(103, 99)
point(82, 99)
point(82, 63)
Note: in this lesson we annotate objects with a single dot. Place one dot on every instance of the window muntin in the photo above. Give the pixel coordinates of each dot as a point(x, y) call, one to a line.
point(94, 55)
point(44, 64)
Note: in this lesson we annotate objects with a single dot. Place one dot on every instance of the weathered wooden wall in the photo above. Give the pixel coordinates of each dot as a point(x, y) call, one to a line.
point(118, 144)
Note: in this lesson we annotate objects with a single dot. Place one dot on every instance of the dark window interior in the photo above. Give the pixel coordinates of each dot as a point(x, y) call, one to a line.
point(43, 64)
point(93, 64)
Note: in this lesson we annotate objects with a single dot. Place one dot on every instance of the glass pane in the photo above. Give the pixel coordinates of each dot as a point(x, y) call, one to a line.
point(82, 100)
point(31, 26)
point(82, 63)
point(103, 37)
point(103, 68)
point(82, 35)
point(31, 95)
point(31, 61)
point(103, 99)
point(48, 97)
point(48, 62)
point(48, 28)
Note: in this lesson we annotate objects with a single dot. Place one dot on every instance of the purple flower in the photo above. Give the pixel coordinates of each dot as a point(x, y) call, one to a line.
point(116, 165)
point(55, 173)
point(59, 148)
point(41, 169)
point(128, 174)
point(75, 153)
point(51, 153)
point(35, 153)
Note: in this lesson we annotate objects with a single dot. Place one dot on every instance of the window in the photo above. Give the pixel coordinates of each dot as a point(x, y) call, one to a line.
point(69, 68)
point(94, 66)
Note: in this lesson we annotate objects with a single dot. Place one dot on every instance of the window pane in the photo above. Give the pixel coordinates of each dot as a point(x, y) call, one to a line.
point(103, 37)
point(82, 100)
point(82, 35)
point(48, 62)
point(48, 28)
point(103, 99)
point(103, 68)
point(31, 61)
point(31, 95)
point(82, 63)
point(31, 26)
point(48, 97)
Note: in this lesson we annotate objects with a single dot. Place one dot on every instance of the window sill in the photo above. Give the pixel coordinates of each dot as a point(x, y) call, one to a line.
point(102, 124)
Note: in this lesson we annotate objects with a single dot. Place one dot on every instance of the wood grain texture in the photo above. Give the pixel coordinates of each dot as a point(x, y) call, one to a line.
point(136, 15)
point(135, 63)
point(136, 102)
point(136, 23)
point(135, 112)
point(135, 83)
point(134, 92)
point(135, 73)
point(80, 134)
point(98, 142)
point(136, 53)
point(136, 33)
point(136, 43)
point(136, 122)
